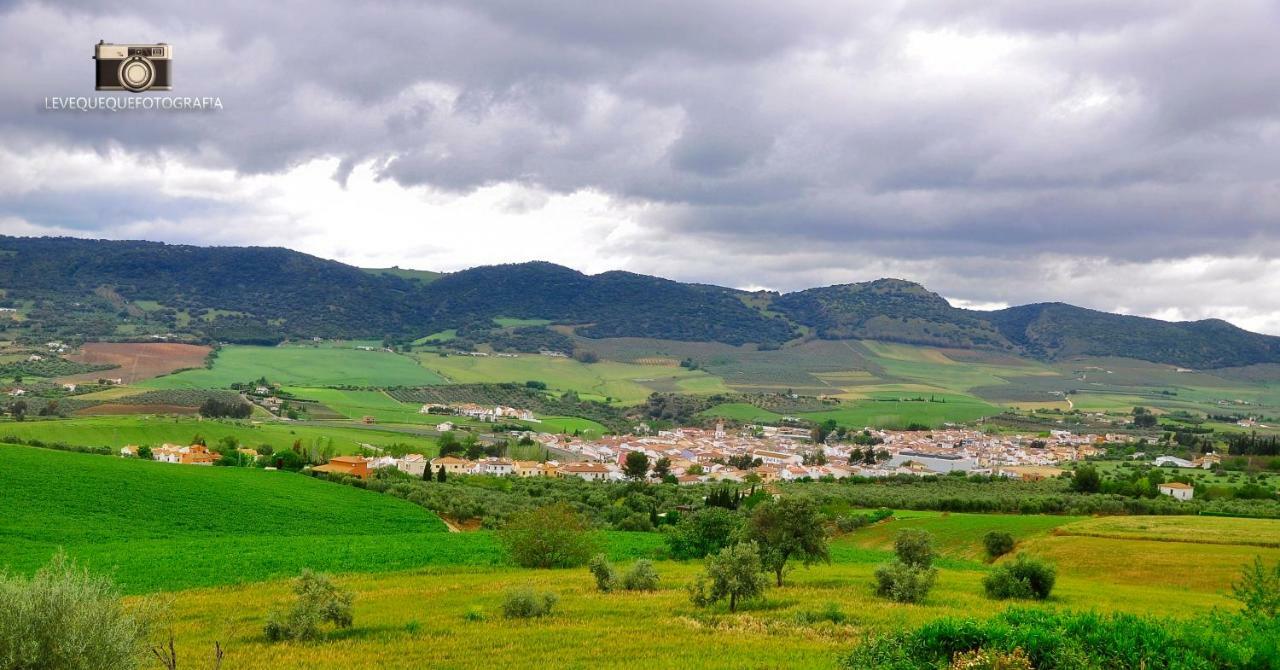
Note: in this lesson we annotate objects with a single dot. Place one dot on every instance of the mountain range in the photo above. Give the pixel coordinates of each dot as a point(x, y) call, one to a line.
point(99, 289)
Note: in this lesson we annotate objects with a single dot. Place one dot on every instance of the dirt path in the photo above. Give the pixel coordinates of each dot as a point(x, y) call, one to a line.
point(449, 524)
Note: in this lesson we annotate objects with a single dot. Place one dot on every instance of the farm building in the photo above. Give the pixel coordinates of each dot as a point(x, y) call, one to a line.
point(1178, 490)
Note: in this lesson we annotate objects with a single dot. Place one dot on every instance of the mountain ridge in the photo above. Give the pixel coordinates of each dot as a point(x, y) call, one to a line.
point(72, 287)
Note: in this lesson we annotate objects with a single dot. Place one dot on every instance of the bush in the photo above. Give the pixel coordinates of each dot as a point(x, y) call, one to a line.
point(1258, 589)
point(641, 577)
point(1063, 640)
point(474, 613)
point(911, 576)
point(1024, 577)
point(997, 543)
point(319, 600)
point(914, 548)
point(554, 536)
point(606, 576)
point(852, 522)
point(524, 603)
point(63, 618)
point(902, 583)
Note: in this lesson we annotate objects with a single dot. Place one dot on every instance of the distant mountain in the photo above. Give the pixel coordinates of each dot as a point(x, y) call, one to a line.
point(72, 288)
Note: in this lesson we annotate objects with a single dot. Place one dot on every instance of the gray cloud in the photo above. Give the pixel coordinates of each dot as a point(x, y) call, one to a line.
point(976, 145)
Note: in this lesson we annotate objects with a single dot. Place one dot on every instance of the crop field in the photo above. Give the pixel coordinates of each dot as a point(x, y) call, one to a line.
point(138, 361)
point(221, 544)
point(359, 404)
point(451, 617)
point(1193, 529)
point(117, 431)
point(302, 366)
point(623, 382)
point(1228, 478)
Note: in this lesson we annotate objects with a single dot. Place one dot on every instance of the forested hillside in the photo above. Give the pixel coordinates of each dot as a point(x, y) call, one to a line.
point(64, 288)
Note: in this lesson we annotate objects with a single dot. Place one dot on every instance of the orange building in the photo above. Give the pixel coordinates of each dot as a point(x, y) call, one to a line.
point(345, 465)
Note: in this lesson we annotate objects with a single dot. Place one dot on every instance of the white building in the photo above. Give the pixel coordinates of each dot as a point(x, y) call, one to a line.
point(412, 464)
point(1178, 490)
point(935, 462)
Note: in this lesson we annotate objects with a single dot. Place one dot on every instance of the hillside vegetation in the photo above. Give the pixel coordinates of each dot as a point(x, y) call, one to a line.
point(72, 288)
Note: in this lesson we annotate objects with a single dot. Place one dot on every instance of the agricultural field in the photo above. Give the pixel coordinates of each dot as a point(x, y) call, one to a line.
point(302, 366)
point(451, 616)
point(221, 543)
point(623, 382)
point(118, 431)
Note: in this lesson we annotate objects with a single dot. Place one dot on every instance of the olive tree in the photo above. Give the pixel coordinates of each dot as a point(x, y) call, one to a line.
point(734, 573)
point(787, 528)
point(554, 536)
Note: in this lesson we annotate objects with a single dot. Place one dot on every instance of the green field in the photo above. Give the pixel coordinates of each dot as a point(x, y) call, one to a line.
point(302, 366)
point(117, 431)
point(623, 382)
point(427, 598)
point(450, 617)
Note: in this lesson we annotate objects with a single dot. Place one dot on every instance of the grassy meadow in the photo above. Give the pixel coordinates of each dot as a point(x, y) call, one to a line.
point(302, 366)
point(451, 616)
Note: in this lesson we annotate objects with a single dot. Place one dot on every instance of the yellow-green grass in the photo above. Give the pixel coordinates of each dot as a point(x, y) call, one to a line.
point(1193, 566)
point(741, 411)
point(359, 404)
point(112, 393)
point(1192, 529)
point(623, 382)
point(118, 431)
point(957, 535)
point(418, 619)
point(302, 366)
point(586, 428)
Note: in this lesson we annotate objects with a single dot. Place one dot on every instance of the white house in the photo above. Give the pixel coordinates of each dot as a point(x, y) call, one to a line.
point(499, 467)
point(412, 464)
point(592, 472)
point(1178, 490)
point(1174, 461)
point(777, 457)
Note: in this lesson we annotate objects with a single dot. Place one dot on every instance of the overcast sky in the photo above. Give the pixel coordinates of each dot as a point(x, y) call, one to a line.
point(1123, 156)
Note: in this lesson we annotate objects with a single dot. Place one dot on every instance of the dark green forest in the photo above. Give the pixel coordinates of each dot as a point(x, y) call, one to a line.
point(76, 289)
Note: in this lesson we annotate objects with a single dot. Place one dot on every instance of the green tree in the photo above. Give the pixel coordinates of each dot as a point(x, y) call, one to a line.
point(19, 410)
point(636, 465)
point(702, 533)
point(733, 573)
point(786, 528)
point(1086, 480)
point(1024, 577)
point(910, 577)
point(662, 467)
point(441, 475)
point(554, 536)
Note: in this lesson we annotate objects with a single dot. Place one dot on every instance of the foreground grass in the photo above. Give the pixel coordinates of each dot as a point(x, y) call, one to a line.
point(419, 619)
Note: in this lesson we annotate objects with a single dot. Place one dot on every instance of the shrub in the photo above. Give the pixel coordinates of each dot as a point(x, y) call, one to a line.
point(65, 618)
point(734, 573)
point(1024, 577)
point(997, 543)
point(1064, 640)
point(852, 522)
point(914, 548)
point(641, 577)
point(554, 536)
point(474, 613)
point(319, 600)
point(525, 603)
point(902, 583)
point(911, 576)
point(1258, 589)
point(606, 576)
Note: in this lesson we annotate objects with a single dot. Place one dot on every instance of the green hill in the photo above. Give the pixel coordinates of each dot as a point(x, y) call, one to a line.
point(163, 527)
point(92, 289)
